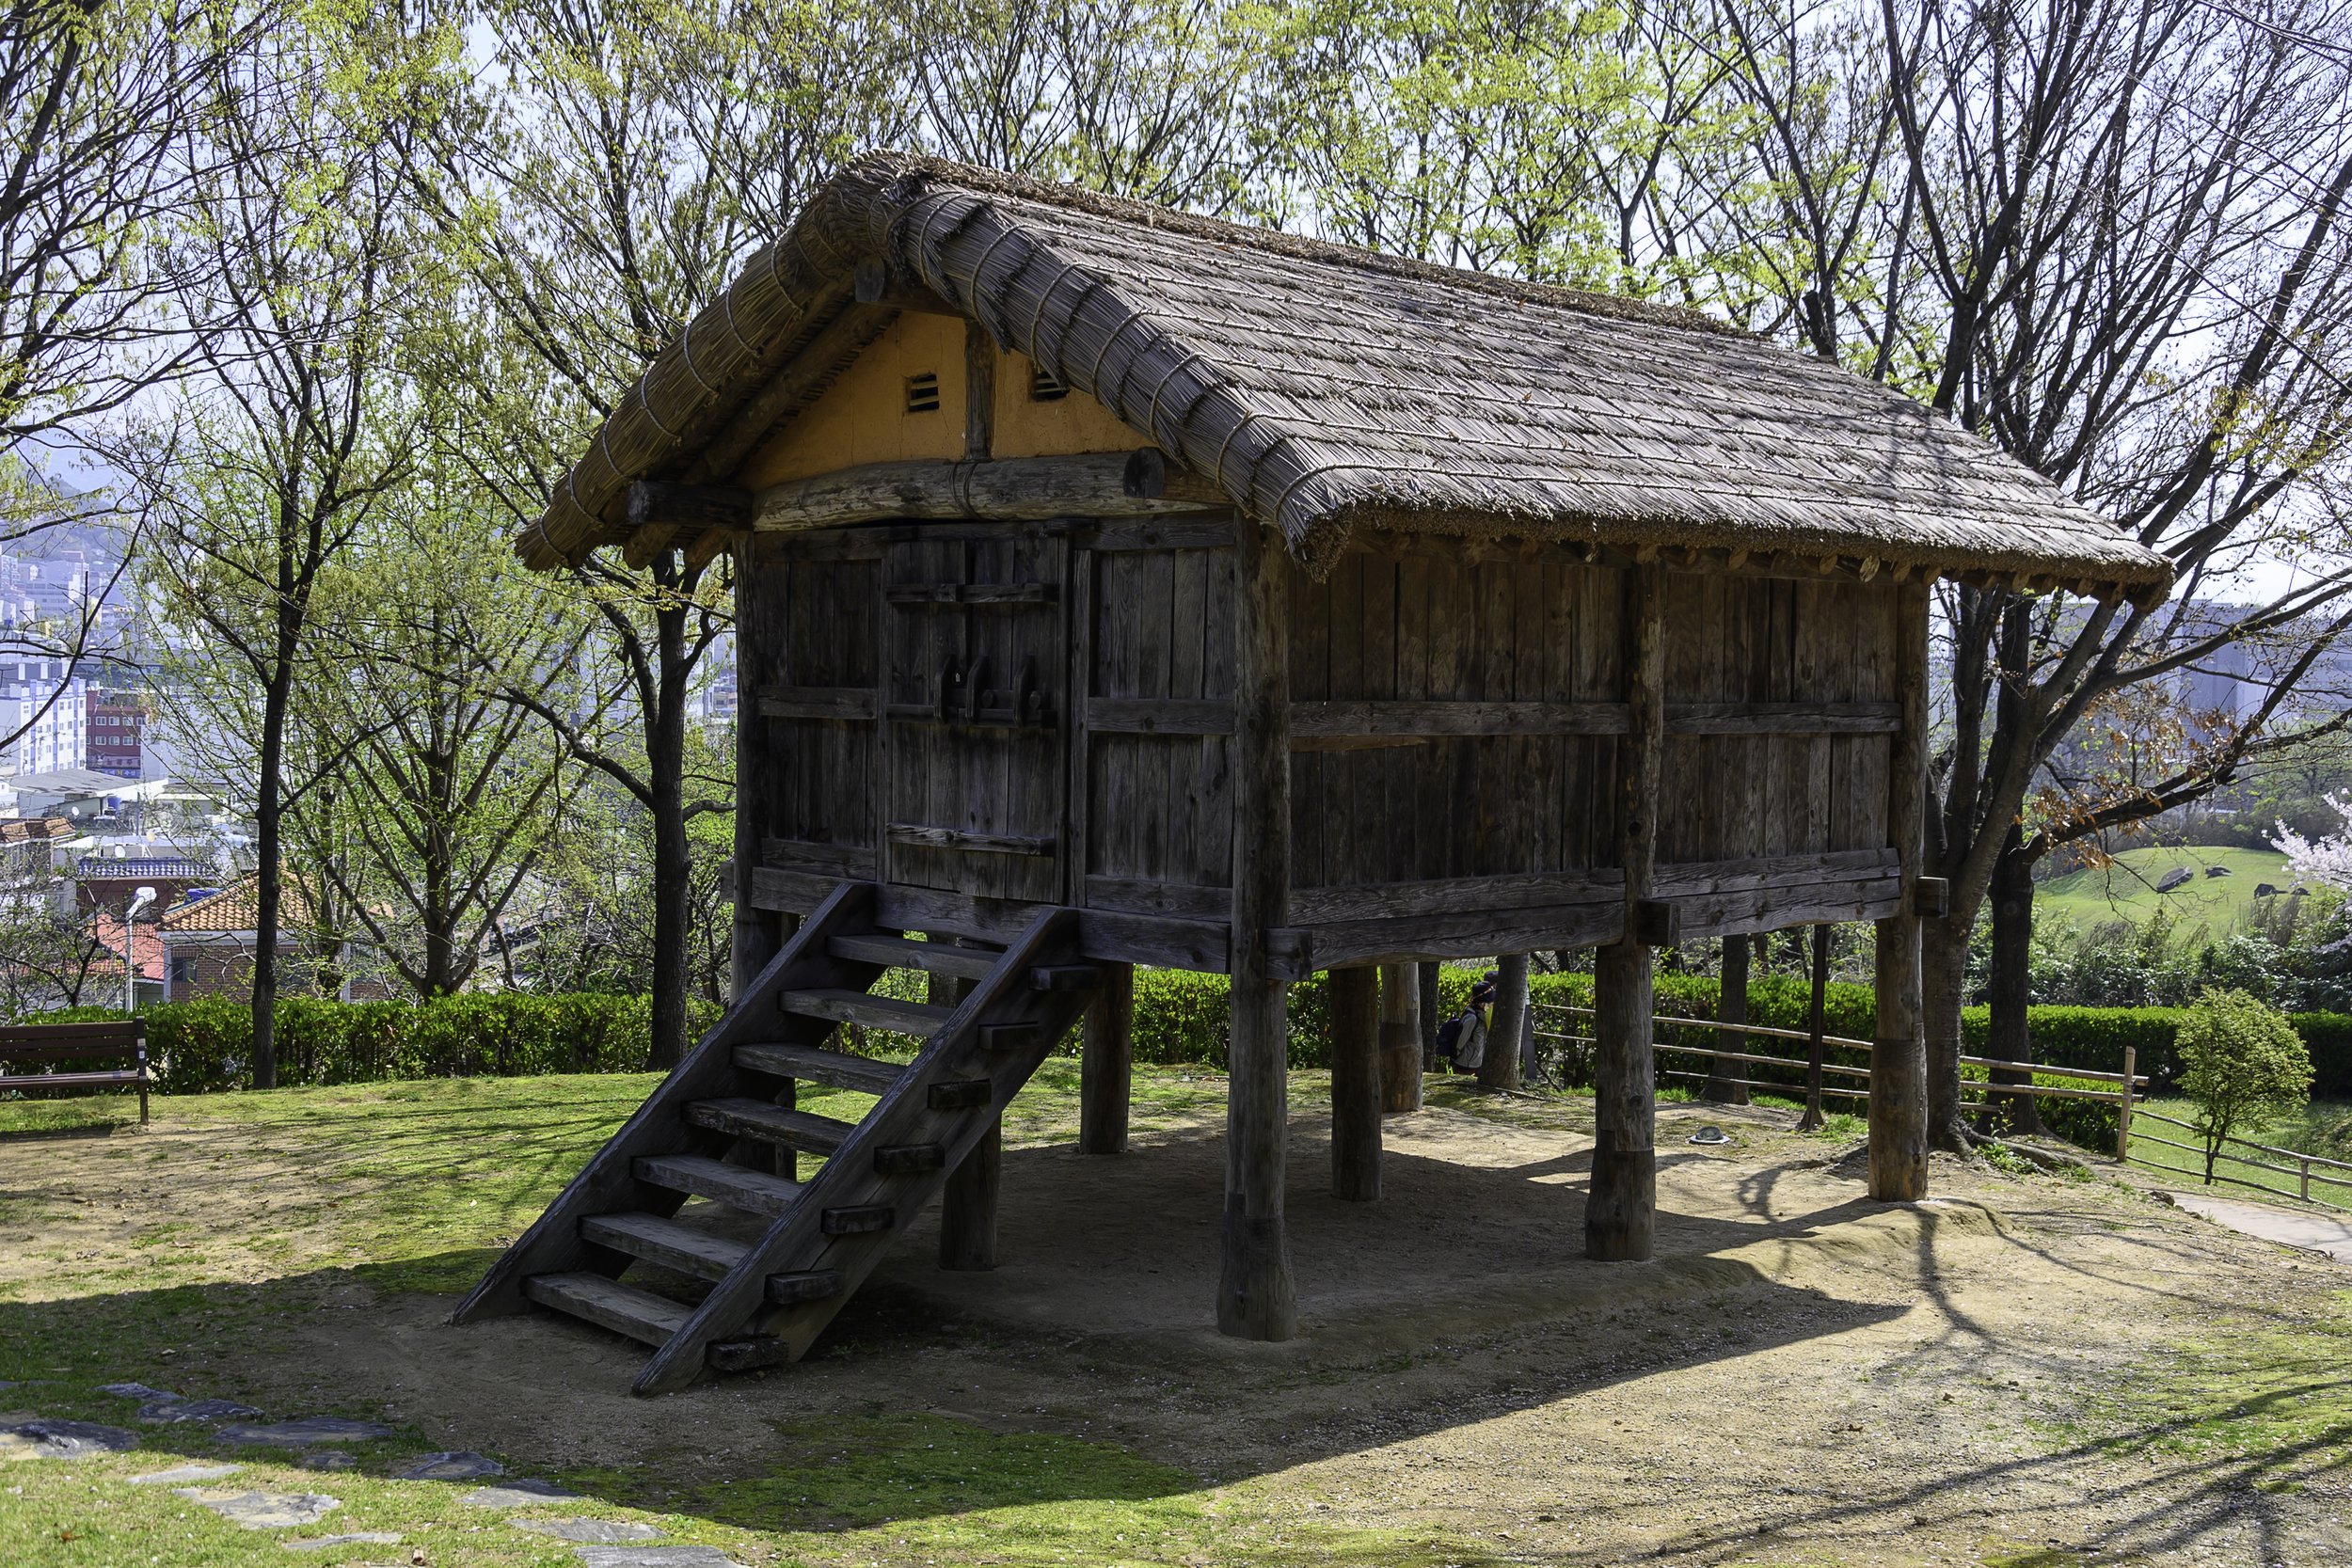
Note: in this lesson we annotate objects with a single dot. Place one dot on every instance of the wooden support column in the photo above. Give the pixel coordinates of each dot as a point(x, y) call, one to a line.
point(1255, 1299)
point(1621, 1215)
point(1727, 1084)
point(1431, 1009)
point(967, 1205)
point(1898, 1053)
point(1355, 1083)
point(1400, 1038)
point(1107, 1064)
point(1500, 1070)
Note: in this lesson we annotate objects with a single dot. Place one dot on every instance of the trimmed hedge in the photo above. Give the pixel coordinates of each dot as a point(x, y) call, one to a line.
point(207, 1045)
point(204, 1046)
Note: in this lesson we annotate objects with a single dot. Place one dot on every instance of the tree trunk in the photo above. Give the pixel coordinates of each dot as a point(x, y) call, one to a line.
point(1815, 1028)
point(2008, 1039)
point(1944, 973)
point(268, 875)
point(1508, 1037)
point(1724, 1079)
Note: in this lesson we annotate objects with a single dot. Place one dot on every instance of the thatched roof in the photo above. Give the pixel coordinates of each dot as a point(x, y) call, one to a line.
point(1324, 388)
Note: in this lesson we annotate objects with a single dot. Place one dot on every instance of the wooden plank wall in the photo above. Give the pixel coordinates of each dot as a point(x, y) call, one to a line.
point(1155, 775)
point(1755, 640)
point(814, 684)
point(1430, 627)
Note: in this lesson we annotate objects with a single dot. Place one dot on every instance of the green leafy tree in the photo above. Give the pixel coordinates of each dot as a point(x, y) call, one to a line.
point(2242, 1065)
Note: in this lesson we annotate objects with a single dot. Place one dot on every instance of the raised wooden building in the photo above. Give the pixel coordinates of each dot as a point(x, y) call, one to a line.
point(1121, 587)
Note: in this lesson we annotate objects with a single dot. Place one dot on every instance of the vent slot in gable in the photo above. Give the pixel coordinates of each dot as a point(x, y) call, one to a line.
point(923, 393)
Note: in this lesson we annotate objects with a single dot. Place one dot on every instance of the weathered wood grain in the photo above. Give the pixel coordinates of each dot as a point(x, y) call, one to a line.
point(1898, 1066)
point(1356, 1082)
point(1255, 1298)
point(1107, 1064)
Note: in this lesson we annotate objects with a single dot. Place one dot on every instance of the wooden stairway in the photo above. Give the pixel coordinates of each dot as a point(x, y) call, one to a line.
point(730, 1102)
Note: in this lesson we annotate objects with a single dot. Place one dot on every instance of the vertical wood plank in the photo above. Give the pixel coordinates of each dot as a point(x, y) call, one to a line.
point(1256, 1298)
point(1899, 1060)
point(1400, 1038)
point(1355, 1083)
point(1620, 1216)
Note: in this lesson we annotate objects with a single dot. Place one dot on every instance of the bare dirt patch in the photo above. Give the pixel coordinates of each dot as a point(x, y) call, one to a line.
point(2025, 1370)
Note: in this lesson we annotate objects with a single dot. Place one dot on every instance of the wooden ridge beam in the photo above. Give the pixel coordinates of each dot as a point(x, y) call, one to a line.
point(1091, 484)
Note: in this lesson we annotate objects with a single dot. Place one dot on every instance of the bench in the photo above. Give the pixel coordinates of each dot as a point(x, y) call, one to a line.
point(117, 1042)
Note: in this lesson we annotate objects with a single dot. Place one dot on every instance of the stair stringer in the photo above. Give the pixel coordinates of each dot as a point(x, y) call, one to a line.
point(796, 1243)
point(607, 1182)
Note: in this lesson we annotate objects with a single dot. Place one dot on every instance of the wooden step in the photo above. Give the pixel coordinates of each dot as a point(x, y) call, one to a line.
point(894, 952)
point(959, 1094)
point(664, 1241)
point(755, 1192)
point(608, 1304)
point(838, 1068)
point(757, 1118)
point(920, 1019)
point(859, 1219)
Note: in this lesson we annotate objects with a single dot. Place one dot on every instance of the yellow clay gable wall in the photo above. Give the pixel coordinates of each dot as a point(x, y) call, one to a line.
point(862, 416)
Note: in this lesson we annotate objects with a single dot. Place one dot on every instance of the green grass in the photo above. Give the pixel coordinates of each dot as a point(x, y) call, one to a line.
point(2127, 889)
point(2318, 1130)
point(411, 1187)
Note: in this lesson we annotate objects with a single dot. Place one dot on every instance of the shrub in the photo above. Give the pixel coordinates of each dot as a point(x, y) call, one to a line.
point(2244, 1064)
point(207, 1045)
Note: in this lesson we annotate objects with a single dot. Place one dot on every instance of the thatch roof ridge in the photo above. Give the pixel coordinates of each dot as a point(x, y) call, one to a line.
point(1326, 389)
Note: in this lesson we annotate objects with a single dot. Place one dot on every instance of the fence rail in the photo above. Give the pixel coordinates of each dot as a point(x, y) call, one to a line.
point(2123, 1097)
point(2301, 1170)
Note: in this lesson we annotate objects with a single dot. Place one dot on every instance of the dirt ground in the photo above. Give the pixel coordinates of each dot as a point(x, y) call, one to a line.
point(2025, 1369)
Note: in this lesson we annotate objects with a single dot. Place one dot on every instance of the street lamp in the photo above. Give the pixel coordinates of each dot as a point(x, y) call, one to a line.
point(139, 900)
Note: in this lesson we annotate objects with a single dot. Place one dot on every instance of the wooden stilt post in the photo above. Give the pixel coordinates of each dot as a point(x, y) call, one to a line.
point(1621, 1214)
point(1107, 1065)
point(1255, 1298)
point(1726, 1081)
point(1355, 1083)
point(1400, 1038)
point(1508, 1037)
point(1899, 1059)
point(967, 1206)
point(1431, 1008)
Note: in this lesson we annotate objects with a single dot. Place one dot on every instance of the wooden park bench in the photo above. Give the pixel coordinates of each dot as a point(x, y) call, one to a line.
point(114, 1042)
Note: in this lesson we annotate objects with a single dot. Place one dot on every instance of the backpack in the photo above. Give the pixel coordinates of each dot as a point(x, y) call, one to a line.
point(1449, 1035)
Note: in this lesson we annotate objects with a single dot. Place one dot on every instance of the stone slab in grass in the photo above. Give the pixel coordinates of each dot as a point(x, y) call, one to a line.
point(357, 1538)
point(64, 1440)
point(515, 1493)
point(182, 1475)
point(590, 1532)
point(263, 1509)
point(655, 1556)
point(129, 1392)
point(165, 1412)
point(461, 1465)
point(326, 1459)
point(304, 1432)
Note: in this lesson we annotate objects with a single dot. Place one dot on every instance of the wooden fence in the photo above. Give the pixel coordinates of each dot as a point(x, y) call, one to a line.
point(2301, 1169)
point(2123, 1097)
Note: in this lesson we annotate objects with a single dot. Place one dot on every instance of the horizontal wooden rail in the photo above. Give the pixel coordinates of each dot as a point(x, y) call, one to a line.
point(1757, 1083)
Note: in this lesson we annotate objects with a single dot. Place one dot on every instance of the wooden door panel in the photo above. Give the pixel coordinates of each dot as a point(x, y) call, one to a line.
point(976, 708)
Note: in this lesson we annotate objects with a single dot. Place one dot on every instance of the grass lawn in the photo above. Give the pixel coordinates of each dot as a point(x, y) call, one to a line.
point(2127, 889)
point(2319, 1131)
point(379, 1207)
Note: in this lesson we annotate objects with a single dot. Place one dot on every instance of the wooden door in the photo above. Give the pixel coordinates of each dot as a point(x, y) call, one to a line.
point(976, 712)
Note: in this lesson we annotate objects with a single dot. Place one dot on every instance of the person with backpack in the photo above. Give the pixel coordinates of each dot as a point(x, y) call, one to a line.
point(1462, 1039)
